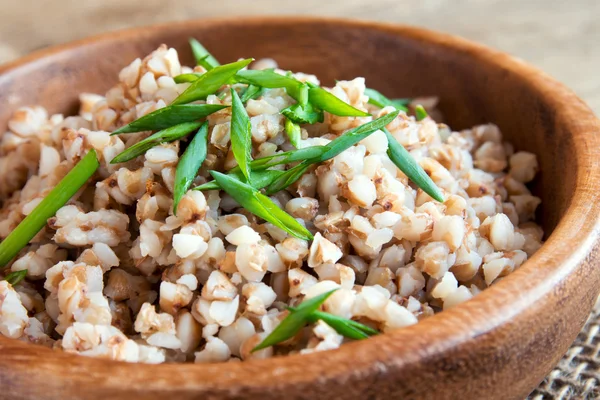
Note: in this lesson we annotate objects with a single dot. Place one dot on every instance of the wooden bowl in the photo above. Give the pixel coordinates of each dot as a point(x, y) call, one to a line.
point(499, 345)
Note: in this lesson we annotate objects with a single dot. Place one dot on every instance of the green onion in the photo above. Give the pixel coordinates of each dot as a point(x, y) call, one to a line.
point(14, 278)
point(57, 198)
point(411, 168)
point(379, 100)
point(189, 164)
point(286, 179)
point(345, 327)
point(293, 132)
point(185, 78)
point(316, 154)
point(241, 135)
point(285, 158)
point(210, 82)
point(335, 147)
point(322, 99)
point(260, 205)
point(303, 95)
point(260, 179)
point(306, 114)
point(272, 80)
point(169, 116)
point(251, 92)
point(202, 56)
point(353, 136)
point(294, 322)
point(165, 136)
point(420, 112)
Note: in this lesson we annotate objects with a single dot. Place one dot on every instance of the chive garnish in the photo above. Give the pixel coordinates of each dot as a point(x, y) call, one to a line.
point(293, 132)
point(210, 82)
point(314, 154)
point(168, 116)
point(420, 112)
point(241, 135)
point(251, 92)
point(57, 198)
point(286, 179)
point(322, 99)
point(260, 205)
point(294, 322)
point(189, 164)
point(287, 157)
point(15, 277)
point(260, 179)
point(187, 78)
point(306, 114)
point(272, 80)
point(333, 148)
point(165, 136)
point(411, 168)
point(345, 327)
point(261, 176)
point(353, 136)
point(202, 56)
point(379, 100)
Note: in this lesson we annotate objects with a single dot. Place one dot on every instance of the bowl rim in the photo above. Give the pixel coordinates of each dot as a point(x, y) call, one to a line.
point(430, 337)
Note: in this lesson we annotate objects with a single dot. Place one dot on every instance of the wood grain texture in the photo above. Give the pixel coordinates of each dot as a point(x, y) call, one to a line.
point(498, 345)
point(560, 37)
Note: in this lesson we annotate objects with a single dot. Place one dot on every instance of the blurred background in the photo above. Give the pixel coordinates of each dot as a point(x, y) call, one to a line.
point(561, 37)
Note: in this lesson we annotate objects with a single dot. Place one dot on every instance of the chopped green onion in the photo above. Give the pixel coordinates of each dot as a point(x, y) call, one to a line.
point(186, 78)
point(303, 95)
point(189, 164)
point(322, 99)
point(260, 205)
point(411, 168)
point(286, 179)
point(353, 136)
point(316, 154)
point(260, 179)
point(15, 277)
point(210, 82)
point(293, 132)
point(345, 327)
point(57, 198)
point(294, 322)
point(306, 114)
point(165, 136)
point(333, 148)
point(272, 80)
point(202, 56)
point(286, 157)
point(420, 112)
point(251, 92)
point(169, 116)
point(379, 100)
point(241, 135)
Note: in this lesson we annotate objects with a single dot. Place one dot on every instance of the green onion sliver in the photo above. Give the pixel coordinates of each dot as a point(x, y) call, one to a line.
point(48, 207)
point(411, 168)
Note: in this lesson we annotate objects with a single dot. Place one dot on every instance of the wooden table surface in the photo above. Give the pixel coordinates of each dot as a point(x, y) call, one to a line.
point(561, 37)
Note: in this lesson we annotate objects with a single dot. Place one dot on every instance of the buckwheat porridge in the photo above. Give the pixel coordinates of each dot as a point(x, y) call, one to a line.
point(188, 240)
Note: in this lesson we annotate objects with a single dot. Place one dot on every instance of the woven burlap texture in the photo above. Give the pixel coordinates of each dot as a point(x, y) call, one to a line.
point(577, 375)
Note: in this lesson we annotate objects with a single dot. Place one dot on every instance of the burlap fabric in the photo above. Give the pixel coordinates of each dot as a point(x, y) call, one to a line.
point(577, 375)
